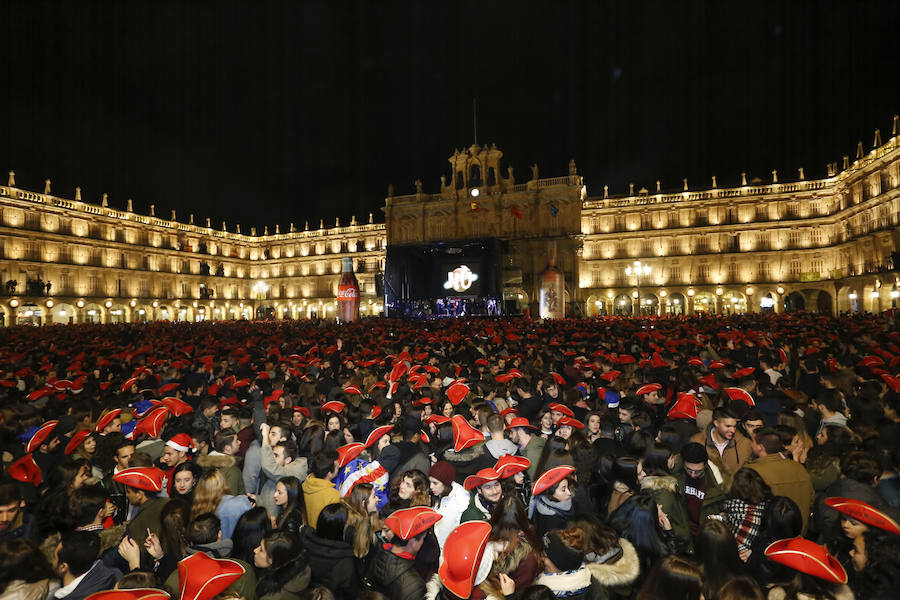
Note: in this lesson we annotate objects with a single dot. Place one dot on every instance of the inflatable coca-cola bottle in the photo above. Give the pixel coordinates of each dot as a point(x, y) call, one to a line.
point(348, 293)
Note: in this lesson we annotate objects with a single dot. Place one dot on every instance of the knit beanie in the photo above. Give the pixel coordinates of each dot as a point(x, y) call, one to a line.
point(443, 472)
point(564, 557)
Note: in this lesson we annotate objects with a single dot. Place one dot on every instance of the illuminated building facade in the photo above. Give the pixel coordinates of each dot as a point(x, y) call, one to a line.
point(823, 245)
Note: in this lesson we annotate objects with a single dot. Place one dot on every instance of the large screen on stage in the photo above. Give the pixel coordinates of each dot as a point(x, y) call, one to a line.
point(431, 271)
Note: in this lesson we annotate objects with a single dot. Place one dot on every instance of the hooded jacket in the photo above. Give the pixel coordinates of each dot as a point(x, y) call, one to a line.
point(317, 494)
point(228, 466)
point(451, 507)
point(664, 489)
point(619, 570)
point(332, 564)
point(395, 576)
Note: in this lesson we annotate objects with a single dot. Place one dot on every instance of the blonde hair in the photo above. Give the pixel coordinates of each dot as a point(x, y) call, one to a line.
point(364, 524)
point(208, 493)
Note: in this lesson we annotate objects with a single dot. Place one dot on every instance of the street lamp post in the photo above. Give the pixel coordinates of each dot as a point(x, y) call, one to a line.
point(637, 269)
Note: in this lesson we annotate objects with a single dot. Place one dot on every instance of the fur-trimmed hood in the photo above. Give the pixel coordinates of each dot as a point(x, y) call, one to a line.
point(567, 583)
point(216, 461)
point(659, 482)
point(621, 572)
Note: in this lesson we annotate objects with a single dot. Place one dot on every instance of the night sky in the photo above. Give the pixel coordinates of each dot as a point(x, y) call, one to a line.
point(271, 112)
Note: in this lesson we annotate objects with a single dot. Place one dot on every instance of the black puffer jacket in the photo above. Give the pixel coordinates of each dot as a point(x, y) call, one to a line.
point(396, 577)
point(332, 564)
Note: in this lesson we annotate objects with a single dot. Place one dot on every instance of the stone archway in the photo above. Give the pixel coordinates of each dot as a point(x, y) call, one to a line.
point(622, 305)
point(824, 303)
point(93, 313)
point(676, 304)
point(794, 302)
point(61, 313)
point(118, 314)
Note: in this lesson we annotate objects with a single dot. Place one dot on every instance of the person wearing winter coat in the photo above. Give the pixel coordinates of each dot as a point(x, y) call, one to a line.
point(551, 500)
point(612, 560)
point(318, 489)
point(565, 571)
point(451, 499)
point(486, 492)
point(24, 572)
point(393, 570)
point(331, 560)
point(80, 573)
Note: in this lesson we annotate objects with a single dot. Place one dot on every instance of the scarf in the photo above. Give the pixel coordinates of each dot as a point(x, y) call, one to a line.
point(549, 508)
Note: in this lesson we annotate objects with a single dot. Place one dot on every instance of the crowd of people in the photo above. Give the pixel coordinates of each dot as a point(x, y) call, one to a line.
point(723, 458)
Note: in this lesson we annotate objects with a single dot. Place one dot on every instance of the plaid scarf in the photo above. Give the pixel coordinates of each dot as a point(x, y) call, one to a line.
point(745, 521)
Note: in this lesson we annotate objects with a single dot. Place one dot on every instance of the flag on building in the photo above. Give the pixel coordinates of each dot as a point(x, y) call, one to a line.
point(515, 211)
point(475, 207)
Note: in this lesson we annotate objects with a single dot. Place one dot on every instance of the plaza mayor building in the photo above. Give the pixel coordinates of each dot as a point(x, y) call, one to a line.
point(488, 242)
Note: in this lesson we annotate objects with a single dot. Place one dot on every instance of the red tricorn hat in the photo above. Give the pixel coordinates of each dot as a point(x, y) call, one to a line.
point(40, 436)
point(508, 465)
point(348, 452)
point(648, 388)
point(149, 479)
point(436, 419)
point(746, 371)
point(407, 523)
point(550, 478)
point(176, 407)
point(695, 361)
point(610, 376)
point(807, 557)
point(376, 434)
point(397, 372)
point(76, 440)
point(201, 577)
point(153, 422)
point(464, 435)
point(570, 422)
point(740, 394)
point(352, 389)
point(181, 442)
point(128, 383)
point(335, 406)
point(561, 408)
point(865, 513)
point(132, 594)
point(519, 422)
point(559, 379)
point(26, 471)
point(871, 361)
point(463, 551)
point(457, 392)
point(106, 419)
point(480, 478)
point(685, 407)
point(169, 387)
point(709, 381)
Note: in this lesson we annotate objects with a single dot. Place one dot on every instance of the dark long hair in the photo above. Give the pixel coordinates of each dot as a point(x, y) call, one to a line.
point(195, 469)
point(637, 520)
point(288, 560)
point(332, 522)
point(718, 551)
point(249, 531)
point(295, 499)
point(672, 578)
point(173, 531)
point(510, 520)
